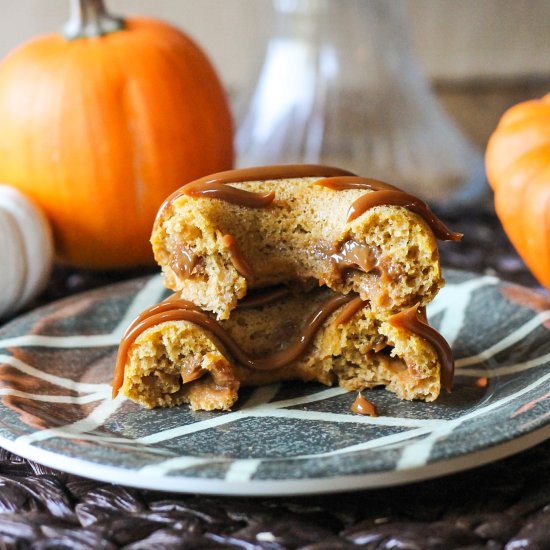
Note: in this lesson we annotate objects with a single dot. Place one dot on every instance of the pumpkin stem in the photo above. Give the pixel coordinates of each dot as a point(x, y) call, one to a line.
point(89, 19)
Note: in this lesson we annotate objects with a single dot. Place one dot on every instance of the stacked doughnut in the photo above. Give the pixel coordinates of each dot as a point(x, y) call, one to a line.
point(289, 272)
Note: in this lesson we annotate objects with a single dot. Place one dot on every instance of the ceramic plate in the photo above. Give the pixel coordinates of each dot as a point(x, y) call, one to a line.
point(56, 364)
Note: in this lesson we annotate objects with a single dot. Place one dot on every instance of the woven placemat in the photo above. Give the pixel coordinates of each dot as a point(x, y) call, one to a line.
point(505, 505)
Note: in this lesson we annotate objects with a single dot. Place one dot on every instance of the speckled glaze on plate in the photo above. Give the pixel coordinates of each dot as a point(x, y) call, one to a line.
point(56, 365)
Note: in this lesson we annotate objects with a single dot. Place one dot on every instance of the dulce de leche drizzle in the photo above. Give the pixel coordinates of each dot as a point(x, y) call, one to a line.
point(339, 183)
point(414, 320)
point(214, 185)
point(175, 308)
point(240, 264)
point(349, 310)
point(232, 195)
point(385, 194)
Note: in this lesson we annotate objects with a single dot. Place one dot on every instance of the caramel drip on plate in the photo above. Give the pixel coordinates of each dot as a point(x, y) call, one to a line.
point(414, 320)
point(350, 310)
point(385, 194)
point(363, 406)
point(263, 296)
point(237, 259)
point(175, 308)
point(213, 185)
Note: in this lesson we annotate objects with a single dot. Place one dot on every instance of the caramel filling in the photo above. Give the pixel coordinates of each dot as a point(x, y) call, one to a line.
point(221, 372)
point(175, 308)
point(414, 320)
point(190, 373)
point(237, 259)
point(183, 261)
point(349, 255)
point(354, 255)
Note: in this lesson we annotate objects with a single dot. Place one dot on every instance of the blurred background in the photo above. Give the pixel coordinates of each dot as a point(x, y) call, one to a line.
point(477, 58)
point(480, 57)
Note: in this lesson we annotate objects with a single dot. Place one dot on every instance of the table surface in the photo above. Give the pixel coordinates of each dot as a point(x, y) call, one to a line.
point(503, 505)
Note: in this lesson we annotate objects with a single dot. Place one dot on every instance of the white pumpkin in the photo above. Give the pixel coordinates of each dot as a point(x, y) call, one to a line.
point(26, 250)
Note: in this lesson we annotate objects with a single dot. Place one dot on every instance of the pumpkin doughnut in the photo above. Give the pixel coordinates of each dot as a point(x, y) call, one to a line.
point(301, 226)
point(176, 353)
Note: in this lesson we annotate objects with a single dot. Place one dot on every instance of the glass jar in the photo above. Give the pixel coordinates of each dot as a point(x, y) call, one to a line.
point(340, 85)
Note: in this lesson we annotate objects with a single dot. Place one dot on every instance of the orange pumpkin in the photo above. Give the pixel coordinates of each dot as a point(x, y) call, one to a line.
point(518, 169)
point(100, 127)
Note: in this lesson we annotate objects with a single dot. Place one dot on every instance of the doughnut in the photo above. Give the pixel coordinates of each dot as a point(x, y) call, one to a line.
point(301, 226)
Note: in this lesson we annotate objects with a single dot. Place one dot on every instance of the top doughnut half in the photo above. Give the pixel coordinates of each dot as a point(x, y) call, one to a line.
point(305, 233)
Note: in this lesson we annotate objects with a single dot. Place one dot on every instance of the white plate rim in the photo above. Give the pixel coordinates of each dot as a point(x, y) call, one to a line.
point(259, 488)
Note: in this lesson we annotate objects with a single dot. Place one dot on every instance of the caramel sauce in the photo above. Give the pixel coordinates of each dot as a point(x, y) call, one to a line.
point(263, 296)
point(183, 262)
point(220, 371)
point(341, 183)
point(213, 185)
point(349, 255)
point(237, 259)
point(232, 195)
point(175, 308)
point(422, 314)
point(349, 310)
point(191, 373)
point(363, 406)
point(415, 321)
point(377, 348)
point(386, 194)
point(400, 198)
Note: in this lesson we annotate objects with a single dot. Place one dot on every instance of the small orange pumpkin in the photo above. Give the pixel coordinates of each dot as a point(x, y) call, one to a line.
point(518, 169)
point(100, 126)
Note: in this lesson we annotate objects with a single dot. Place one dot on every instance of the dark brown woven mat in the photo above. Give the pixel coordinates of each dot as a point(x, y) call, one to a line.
point(505, 505)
